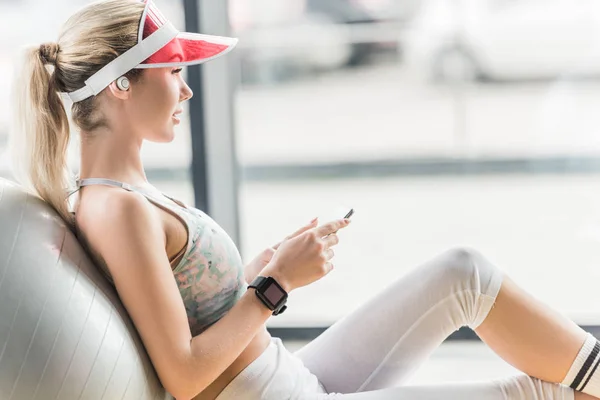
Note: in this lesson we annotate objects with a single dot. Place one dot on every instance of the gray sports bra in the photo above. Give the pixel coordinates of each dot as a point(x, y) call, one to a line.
point(210, 275)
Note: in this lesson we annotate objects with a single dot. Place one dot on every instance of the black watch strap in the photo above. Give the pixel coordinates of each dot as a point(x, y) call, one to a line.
point(269, 291)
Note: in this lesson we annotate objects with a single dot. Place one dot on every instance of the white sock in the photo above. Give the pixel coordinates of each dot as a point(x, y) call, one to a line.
point(584, 374)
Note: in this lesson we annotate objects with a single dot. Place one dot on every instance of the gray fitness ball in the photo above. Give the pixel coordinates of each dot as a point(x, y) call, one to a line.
point(64, 333)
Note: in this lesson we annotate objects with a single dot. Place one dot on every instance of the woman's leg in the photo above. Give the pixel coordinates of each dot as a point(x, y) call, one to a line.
point(535, 338)
point(388, 337)
point(584, 396)
point(530, 335)
point(519, 387)
point(395, 332)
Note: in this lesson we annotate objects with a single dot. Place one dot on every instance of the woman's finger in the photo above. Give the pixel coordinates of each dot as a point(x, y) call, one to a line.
point(310, 225)
point(332, 227)
point(329, 254)
point(331, 240)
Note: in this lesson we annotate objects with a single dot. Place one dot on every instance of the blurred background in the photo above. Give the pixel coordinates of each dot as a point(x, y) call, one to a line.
point(441, 122)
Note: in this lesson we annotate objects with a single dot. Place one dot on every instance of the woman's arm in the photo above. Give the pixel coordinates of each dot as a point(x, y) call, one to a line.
point(233, 333)
point(257, 264)
point(130, 237)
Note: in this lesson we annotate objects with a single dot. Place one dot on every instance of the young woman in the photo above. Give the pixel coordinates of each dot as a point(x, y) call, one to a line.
point(181, 278)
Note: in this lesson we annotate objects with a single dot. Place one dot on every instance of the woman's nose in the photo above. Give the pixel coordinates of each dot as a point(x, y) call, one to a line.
point(186, 93)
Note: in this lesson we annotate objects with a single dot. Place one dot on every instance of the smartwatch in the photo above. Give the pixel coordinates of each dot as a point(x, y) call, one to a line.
point(270, 293)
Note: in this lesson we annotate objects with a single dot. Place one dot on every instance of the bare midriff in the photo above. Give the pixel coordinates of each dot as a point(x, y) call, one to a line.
point(256, 347)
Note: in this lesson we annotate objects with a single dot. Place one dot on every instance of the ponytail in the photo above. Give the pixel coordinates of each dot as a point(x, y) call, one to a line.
point(40, 131)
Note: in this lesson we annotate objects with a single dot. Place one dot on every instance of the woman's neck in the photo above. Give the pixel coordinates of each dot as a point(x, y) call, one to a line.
point(121, 160)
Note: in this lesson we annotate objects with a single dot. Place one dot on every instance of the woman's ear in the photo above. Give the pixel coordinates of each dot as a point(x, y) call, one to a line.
point(118, 93)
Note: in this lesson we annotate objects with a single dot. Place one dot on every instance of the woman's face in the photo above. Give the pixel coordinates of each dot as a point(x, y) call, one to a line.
point(158, 97)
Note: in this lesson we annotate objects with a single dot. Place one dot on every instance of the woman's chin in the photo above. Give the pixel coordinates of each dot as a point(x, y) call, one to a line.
point(170, 138)
point(165, 137)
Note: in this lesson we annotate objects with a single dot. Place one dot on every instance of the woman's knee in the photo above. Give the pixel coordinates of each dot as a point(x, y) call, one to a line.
point(465, 265)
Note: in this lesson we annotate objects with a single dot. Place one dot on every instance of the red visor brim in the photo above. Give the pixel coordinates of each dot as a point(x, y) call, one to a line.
point(189, 49)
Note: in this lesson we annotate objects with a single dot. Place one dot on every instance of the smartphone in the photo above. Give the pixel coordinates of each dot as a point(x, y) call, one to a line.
point(348, 215)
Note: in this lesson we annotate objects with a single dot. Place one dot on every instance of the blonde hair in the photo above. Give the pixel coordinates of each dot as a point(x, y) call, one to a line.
point(40, 131)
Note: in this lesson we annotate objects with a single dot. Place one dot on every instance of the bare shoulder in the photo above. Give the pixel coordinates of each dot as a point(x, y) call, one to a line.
point(128, 234)
point(113, 214)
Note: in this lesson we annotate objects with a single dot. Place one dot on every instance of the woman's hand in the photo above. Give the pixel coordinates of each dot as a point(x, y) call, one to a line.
point(306, 257)
point(258, 263)
point(264, 257)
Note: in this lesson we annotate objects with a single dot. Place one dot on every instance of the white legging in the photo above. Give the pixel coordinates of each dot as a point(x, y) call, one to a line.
point(370, 352)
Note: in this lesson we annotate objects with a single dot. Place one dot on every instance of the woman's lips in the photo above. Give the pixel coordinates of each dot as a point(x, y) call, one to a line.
point(176, 116)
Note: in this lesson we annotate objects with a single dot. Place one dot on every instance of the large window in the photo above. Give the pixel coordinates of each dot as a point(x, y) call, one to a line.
point(443, 123)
